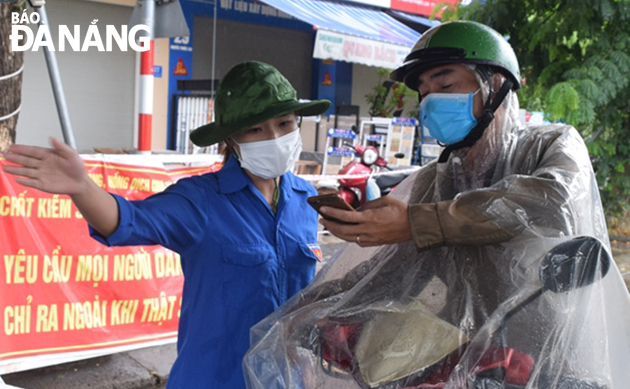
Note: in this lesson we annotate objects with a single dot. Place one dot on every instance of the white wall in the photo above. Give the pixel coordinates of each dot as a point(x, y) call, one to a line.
point(99, 86)
point(290, 51)
point(364, 78)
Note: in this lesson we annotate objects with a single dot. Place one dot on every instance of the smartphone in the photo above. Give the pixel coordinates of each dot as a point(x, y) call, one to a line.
point(329, 200)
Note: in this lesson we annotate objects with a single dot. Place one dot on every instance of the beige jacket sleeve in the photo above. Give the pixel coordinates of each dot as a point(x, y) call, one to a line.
point(451, 223)
point(540, 192)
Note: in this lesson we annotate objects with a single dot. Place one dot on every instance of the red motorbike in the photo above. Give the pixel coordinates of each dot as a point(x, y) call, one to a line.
point(355, 190)
point(570, 265)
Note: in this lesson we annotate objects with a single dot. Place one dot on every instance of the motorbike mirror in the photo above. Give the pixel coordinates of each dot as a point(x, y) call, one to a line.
point(570, 265)
point(573, 264)
point(399, 155)
point(355, 129)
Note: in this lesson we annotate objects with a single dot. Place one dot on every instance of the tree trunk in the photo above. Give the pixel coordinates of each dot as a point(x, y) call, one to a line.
point(11, 88)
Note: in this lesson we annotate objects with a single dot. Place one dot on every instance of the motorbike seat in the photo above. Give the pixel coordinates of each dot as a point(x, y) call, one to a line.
point(390, 180)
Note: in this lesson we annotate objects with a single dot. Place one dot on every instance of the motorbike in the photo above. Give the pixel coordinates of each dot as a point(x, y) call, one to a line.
point(570, 265)
point(357, 191)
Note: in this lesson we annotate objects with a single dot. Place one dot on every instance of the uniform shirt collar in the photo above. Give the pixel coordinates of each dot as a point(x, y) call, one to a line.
point(233, 179)
point(296, 183)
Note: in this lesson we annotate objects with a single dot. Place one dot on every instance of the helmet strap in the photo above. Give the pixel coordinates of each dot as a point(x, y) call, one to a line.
point(487, 116)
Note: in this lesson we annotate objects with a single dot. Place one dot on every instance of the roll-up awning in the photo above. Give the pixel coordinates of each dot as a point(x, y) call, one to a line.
point(352, 33)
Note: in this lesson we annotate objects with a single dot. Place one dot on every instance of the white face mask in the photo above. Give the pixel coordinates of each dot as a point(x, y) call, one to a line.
point(271, 158)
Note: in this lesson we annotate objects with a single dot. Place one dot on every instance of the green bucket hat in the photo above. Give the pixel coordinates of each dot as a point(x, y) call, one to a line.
point(251, 93)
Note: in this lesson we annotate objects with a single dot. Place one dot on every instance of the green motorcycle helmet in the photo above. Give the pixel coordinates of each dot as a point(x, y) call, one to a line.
point(463, 42)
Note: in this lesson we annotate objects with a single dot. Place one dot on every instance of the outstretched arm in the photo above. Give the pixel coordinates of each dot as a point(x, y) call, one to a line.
point(60, 170)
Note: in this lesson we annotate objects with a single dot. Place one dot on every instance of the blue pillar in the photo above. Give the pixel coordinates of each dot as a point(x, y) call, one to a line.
point(332, 80)
point(324, 75)
point(343, 86)
point(179, 68)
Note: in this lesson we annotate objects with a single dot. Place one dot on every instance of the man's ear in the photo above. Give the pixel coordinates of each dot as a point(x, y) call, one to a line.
point(497, 80)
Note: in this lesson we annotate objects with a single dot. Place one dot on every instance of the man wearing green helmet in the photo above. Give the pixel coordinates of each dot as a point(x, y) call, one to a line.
point(462, 239)
point(246, 234)
point(465, 74)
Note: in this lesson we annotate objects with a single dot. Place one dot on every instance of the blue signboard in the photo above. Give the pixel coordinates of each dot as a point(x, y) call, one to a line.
point(341, 133)
point(157, 71)
point(342, 151)
point(404, 121)
point(374, 138)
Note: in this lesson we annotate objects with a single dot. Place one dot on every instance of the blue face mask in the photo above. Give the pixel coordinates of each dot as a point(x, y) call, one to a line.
point(448, 116)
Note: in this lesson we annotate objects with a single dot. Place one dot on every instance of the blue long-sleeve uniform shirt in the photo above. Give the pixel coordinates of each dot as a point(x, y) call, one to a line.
point(240, 262)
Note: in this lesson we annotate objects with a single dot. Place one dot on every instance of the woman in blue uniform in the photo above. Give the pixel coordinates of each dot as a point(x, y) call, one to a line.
point(246, 234)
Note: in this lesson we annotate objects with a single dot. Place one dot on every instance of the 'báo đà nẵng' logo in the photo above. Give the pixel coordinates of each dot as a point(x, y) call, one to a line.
point(24, 38)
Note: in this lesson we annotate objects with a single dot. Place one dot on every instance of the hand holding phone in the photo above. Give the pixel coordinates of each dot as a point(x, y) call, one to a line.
point(329, 200)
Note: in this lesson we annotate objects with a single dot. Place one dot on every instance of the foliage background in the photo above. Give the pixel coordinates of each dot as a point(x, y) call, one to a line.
point(389, 98)
point(575, 61)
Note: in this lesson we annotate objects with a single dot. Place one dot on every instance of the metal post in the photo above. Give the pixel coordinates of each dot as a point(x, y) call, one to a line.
point(214, 46)
point(55, 79)
point(325, 163)
point(318, 120)
point(145, 123)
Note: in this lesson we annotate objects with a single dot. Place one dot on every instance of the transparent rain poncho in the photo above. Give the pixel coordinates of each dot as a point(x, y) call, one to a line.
point(517, 290)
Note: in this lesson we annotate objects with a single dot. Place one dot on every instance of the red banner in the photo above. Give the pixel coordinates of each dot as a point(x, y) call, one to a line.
point(420, 7)
point(63, 294)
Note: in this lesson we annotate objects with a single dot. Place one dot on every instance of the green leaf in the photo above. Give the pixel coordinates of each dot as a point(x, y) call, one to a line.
point(608, 88)
point(561, 99)
point(590, 90)
point(575, 73)
point(610, 70)
point(594, 148)
point(606, 10)
point(620, 168)
point(553, 53)
point(621, 60)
